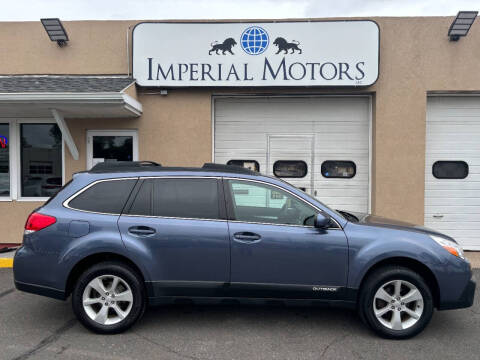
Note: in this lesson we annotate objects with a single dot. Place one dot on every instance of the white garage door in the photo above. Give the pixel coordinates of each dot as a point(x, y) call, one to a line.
point(297, 136)
point(452, 174)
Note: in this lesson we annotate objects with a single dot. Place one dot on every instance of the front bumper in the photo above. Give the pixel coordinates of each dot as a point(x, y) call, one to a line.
point(465, 300)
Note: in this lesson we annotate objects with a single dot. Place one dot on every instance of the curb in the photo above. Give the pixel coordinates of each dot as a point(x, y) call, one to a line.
point(6, 262)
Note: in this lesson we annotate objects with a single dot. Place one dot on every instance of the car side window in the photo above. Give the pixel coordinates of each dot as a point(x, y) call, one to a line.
point(262, 203)
point(193, 198)
point(107, 197)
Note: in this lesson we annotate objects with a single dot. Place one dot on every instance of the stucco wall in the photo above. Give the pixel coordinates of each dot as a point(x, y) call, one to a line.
point(95, 47)
point(169, 132)
point(416, 57)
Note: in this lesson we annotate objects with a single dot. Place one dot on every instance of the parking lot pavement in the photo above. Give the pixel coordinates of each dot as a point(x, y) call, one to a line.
point(34, 327)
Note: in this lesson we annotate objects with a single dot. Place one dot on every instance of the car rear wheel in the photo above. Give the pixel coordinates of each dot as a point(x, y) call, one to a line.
point(109, 298)
point(396, 302)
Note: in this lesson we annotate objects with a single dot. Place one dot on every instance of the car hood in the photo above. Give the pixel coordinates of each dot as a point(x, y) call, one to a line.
point(379, 221)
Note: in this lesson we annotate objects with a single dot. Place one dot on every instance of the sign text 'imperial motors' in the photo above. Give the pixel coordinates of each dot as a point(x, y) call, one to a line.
point(331, 53)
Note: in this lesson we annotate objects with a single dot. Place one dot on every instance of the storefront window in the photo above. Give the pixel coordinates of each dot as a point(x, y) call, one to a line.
point(41, 160)
point(4, 160)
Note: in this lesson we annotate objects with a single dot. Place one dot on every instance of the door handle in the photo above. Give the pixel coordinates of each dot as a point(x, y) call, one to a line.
point(141, 230)
point(437, 216)
point(246, 237)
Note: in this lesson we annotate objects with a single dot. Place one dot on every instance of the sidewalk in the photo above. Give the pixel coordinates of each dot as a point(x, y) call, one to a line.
point(474, 258)
point(6, 259)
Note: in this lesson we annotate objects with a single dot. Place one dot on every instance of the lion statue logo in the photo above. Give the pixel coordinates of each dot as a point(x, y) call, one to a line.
point(284, 45)
point(223, 47)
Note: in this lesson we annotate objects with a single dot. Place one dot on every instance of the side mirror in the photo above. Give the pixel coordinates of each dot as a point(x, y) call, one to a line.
point(321, 221)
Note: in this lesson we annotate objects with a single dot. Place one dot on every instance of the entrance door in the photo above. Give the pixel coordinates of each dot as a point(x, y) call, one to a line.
point(111, 145)
point(290, 157)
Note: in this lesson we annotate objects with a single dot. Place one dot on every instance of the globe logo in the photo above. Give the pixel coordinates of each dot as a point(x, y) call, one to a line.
point(254, 40)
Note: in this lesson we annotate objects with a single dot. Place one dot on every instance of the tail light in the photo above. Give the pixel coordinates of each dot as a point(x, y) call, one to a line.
point(37, 222)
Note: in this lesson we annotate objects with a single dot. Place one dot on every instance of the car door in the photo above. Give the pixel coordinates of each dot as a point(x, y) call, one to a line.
point(176, 227)
point(275, 249)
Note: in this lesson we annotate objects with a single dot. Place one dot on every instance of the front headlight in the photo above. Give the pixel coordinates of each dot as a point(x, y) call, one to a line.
point(450, 246)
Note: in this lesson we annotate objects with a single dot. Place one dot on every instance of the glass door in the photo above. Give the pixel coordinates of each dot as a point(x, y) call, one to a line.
point(111, 145)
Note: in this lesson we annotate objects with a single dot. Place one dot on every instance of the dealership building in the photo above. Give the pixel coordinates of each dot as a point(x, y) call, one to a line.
point(377, 115)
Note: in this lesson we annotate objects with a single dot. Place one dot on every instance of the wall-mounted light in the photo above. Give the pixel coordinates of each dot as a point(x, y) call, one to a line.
point(461, 24)
point(55, 30)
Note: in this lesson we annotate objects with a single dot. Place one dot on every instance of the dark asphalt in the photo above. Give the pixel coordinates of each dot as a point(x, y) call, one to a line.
point(34, 327)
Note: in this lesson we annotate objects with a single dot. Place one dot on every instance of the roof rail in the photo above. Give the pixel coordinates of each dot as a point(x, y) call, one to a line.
point(123, 166)
point(228, 168)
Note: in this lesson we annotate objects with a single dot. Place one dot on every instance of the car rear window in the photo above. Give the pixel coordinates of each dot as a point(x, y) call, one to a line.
point(178, 198)
point(104, 197)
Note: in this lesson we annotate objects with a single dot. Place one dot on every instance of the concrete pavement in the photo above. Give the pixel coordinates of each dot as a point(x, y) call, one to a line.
point(34, 327)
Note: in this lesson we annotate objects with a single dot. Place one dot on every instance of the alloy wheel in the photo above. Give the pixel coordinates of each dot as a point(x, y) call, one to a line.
point(107, 299)
point(398, 304)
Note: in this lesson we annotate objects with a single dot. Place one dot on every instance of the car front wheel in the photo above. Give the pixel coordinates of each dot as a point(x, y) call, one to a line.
point(396, 302)
point(109, 298)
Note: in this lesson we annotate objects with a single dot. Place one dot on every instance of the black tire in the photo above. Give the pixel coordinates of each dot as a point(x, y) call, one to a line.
point(382, 276)
point(127, 274)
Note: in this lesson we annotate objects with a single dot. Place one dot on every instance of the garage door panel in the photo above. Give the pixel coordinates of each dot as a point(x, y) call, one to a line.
point(448, 225)
point(338, 192)
point(464, 201)
point(446, 209)
point(453, 133)
point(454, 218)
point(340, 131)
point(439, 193)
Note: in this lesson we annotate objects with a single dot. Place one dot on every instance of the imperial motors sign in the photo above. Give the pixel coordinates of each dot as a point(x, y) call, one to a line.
point(329, 53)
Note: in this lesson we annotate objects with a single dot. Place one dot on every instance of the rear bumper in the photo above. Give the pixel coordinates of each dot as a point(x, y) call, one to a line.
point(34, 273)
point(40, 290)
point(465, 300)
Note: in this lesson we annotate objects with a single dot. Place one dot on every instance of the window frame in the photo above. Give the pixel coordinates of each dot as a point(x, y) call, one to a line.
point(339, 177)
point(220, 193)
point(15, 158)
point(231, 212)
point(290, 161)
point(450, 161)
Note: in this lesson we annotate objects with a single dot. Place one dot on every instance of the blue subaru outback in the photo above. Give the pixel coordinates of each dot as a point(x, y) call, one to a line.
point(120, 237)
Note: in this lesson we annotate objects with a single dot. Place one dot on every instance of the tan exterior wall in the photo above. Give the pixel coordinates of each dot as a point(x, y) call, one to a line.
point(416, 58)
point(169, 132)
point(95, 47)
